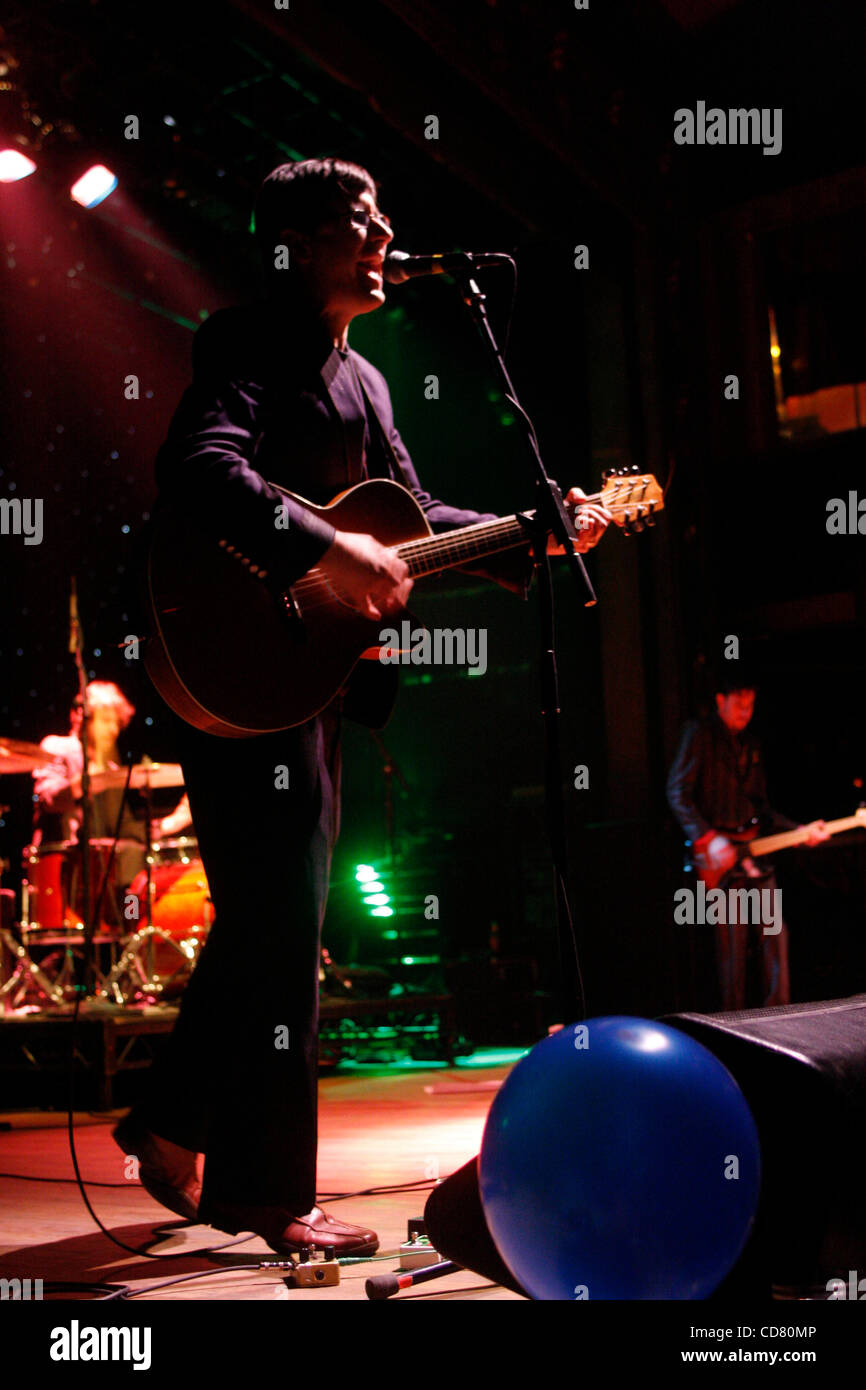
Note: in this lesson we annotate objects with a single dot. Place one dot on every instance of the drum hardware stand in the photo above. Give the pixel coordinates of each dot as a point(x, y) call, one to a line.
point(26, 972)
point(28, 975)
point(150, 983)
point(25, 968)
point(87, 973)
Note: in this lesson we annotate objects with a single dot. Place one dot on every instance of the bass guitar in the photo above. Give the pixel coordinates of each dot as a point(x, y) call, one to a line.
point(750, 848)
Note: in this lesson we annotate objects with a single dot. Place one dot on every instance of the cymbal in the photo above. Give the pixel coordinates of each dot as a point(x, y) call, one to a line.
point(142, 775)
point(17, 756)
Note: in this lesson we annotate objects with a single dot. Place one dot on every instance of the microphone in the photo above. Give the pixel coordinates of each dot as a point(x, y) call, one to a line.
point(399, 267)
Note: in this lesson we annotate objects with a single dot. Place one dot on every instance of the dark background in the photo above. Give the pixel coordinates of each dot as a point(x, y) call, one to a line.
point(556, 129)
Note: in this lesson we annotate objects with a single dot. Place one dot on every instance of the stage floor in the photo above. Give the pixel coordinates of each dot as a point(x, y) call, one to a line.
point(377, 1127)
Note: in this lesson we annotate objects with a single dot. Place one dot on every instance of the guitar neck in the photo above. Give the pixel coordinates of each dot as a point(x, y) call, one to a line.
point(434, 553)
point(769, 844)
point(632, 501)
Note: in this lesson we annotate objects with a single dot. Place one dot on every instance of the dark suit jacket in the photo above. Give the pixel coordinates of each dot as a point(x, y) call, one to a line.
point(273, 400)
point(717, 781)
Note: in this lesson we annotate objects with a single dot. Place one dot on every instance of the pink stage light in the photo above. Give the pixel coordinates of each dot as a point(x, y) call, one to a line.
point(14, 165)
point(93, 186)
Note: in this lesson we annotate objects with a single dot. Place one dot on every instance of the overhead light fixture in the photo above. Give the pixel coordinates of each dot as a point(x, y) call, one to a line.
point(14, 166)
point(94, 186)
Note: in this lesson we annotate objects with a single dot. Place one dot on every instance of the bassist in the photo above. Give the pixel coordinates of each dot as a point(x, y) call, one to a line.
point(716, 784)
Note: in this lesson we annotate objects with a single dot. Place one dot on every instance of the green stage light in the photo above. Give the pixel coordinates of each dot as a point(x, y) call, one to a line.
point(364, 873)
point(372, 887)
point(382, 911)
point(377, 900)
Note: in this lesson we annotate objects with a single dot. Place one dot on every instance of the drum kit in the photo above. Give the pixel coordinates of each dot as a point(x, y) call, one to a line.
point(146, 936)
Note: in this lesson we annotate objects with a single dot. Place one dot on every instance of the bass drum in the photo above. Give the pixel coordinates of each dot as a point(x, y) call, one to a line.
point(182, 906)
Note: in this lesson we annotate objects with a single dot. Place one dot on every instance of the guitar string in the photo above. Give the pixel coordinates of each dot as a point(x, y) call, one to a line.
point(450, 543)
point(440, 548)
point(317, 591)
point(465, 538)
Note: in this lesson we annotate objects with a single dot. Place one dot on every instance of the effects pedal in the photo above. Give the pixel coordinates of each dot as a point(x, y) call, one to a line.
point(309, 1273)
point(416, 1251)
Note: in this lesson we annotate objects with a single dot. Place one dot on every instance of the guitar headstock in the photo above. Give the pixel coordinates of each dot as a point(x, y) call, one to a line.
point(632, 499)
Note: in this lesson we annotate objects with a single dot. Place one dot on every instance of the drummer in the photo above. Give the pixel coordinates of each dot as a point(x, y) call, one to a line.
point(57, 809)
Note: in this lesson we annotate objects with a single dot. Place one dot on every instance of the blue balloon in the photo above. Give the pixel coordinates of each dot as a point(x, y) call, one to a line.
point(620, 1161)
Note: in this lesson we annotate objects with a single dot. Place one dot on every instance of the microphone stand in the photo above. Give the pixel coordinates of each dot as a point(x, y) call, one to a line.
point(390, 766)
point(76, 646)
point(550, 516)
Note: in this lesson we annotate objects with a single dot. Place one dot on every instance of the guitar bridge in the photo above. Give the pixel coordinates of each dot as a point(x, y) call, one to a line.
point(290, 612)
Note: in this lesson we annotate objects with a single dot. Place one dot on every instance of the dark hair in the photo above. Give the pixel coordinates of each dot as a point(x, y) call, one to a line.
point(734, 675)
point(302, 196)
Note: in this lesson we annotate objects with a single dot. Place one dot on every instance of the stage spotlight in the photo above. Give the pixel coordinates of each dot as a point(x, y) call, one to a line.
point(94, 186)
point(14, 166)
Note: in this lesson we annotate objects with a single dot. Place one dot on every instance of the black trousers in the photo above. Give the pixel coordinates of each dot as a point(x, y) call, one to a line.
point(238, 1078)
point(734, 944)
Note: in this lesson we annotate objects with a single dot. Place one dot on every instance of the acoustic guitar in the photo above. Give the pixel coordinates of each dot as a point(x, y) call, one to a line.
point(234, 654)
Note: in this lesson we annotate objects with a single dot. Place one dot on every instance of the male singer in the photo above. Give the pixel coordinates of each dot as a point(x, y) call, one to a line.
point(278, 394)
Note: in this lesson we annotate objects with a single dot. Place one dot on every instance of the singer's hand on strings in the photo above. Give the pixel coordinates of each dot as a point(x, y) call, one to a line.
point(367, 575)
point(590, 522)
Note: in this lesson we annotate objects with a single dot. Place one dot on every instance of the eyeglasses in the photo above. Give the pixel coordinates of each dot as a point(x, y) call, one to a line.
point(360, 217)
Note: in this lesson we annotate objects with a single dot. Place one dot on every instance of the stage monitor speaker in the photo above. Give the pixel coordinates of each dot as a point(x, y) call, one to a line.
point(455, 1223)
point(802, 1069)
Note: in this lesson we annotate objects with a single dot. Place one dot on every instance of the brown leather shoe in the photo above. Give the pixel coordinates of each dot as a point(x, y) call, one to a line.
point(170, 1174)
point(286, 1233)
